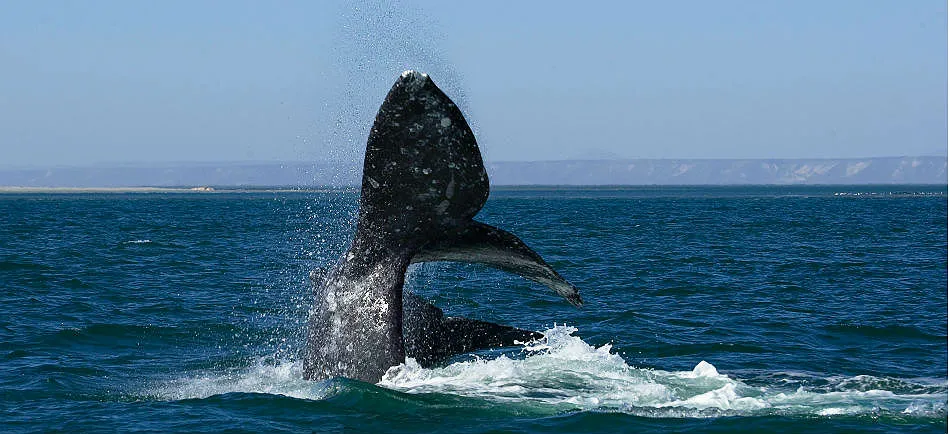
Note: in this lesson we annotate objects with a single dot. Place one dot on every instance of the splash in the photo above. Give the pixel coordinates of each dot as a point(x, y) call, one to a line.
point(265, 375)
point(564, 372)
point(561, 372)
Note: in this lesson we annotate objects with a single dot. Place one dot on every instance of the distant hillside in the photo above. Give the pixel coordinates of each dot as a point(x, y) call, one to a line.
point(891, 170)
point(896, 170)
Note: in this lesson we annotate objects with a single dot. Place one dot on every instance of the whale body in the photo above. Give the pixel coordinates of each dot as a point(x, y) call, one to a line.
point(423, 182)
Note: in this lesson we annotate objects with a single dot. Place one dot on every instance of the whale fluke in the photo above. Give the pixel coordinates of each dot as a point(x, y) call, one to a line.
point(423, 173)
point(423, 182)
point(484, 244)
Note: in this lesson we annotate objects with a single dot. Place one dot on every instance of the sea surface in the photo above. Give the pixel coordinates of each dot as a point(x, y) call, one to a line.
point(714, 309)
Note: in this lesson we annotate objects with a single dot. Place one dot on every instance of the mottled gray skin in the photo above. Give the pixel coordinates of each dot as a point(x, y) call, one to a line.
point(423, 182)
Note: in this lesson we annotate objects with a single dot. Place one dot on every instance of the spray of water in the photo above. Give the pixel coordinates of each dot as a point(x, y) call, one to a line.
point(561, 372)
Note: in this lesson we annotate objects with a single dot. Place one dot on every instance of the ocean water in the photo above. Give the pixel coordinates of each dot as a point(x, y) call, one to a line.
point(729, 309)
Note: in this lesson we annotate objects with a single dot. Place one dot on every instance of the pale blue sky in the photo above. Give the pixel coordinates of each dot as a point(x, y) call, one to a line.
point(90, 82)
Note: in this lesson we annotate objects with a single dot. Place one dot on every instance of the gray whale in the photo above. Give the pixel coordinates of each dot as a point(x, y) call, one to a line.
point(423, 182)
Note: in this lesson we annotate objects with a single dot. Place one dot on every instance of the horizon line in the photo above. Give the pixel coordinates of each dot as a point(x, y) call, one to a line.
point(118, 164)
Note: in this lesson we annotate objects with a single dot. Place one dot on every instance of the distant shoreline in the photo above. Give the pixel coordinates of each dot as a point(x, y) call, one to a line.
point(255, 176)
point(189, 190)
point(328, 189)
point(13, 189)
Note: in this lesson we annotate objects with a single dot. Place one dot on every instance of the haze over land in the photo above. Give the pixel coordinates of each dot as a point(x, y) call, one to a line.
point(894, 170)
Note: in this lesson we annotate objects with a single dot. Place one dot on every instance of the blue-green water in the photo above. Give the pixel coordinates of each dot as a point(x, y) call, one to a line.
point(732, 309)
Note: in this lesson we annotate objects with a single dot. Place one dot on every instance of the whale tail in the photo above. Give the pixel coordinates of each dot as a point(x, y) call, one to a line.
point(424, 181)
point(423, 172)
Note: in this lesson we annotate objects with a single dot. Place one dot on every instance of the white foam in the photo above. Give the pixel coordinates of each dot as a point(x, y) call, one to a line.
point(703, 369)
point(564, 373)
point(138, 242)
point(563, 370)
point(265, 376)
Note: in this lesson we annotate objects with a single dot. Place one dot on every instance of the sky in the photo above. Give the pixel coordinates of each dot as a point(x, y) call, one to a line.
point(107, 82)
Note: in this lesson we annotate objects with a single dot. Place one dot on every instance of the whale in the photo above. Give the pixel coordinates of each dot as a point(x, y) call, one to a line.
point(423, 183)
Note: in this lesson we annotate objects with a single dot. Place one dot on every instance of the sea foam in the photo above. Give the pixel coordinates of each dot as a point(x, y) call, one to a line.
point(563, 373)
